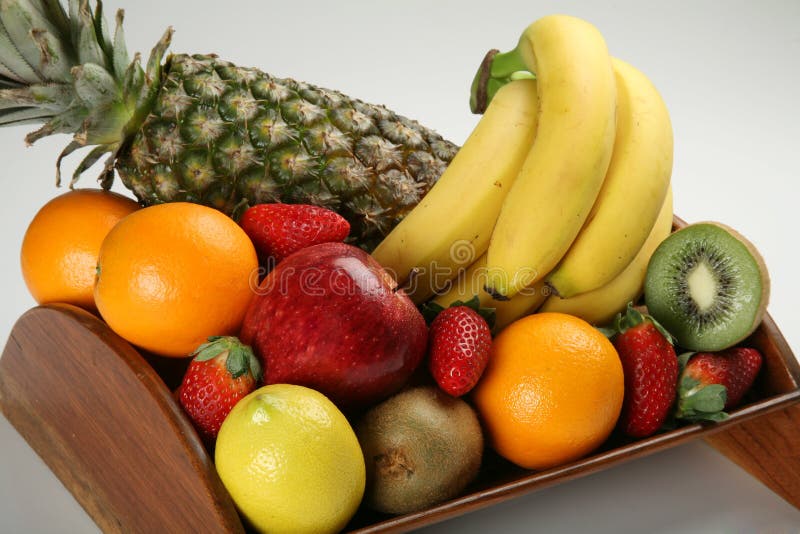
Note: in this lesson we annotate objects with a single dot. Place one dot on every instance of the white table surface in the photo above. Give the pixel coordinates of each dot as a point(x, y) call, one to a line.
point(729, 74)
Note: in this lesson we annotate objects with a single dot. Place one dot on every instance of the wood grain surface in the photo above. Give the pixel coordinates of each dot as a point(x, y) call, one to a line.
point(108, 427)
point(768, 447)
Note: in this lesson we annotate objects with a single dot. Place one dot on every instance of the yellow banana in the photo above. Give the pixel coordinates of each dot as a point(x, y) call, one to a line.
point(633, 190)
point(601, 305)
point(562, 175)
point(471, 282)
point(452, 224)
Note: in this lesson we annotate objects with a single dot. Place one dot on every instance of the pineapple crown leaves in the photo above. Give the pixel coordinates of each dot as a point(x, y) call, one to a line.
point(62, 67)
point(431, 309)
point(240, 357)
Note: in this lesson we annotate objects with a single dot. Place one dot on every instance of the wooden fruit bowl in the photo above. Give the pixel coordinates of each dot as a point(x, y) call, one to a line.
point(103, 418)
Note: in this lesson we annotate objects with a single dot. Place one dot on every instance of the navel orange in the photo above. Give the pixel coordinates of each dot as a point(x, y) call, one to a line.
point(60, 247)
point(552, 391)
point(171, 275)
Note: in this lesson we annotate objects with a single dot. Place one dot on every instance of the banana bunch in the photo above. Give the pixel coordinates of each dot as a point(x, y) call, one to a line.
point(453, 222)
point(599, 306)
point(559, 196)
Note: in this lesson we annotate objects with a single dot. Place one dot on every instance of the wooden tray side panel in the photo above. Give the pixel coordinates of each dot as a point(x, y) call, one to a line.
point(767, 447)
point(107, 427)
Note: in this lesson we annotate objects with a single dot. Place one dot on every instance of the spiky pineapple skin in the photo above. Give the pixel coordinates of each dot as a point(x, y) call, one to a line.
point(230, 137)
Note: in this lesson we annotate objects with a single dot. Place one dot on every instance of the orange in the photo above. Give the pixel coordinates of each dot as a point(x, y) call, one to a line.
point(61, 244)
point(171, 275)
point(552, 390)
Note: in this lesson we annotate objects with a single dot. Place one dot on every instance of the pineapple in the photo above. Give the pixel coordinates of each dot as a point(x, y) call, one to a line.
point(200, 129)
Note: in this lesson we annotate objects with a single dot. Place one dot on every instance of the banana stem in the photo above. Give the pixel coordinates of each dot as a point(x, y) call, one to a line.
point(496, 70)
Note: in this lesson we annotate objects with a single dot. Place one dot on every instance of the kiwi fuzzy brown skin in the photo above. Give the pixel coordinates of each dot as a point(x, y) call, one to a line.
point(421, 447)
point(765, 280)
point(763, 298)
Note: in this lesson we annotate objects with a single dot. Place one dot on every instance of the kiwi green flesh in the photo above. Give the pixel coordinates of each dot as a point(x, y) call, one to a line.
point(707, 286)
point(421, 447)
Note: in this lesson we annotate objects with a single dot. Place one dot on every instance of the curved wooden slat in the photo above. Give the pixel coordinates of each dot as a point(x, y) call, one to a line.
point(107, 426)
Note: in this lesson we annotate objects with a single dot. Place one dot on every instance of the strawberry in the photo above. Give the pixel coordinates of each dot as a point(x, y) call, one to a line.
point(222, 372)
point(278, 230)
point(460, 340)
point(650, 368)
point(712, 382)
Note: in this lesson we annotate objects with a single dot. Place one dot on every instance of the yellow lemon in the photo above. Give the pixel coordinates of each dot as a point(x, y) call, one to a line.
point(291, 461)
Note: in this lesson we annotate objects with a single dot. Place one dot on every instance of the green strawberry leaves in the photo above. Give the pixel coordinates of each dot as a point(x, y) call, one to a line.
point(698, 401)
point(683, 359)
point(430, 310)
point(240, 358)
point(631, 318)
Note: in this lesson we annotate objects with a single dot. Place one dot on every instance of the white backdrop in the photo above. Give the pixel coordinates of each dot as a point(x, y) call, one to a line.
point(729, 74)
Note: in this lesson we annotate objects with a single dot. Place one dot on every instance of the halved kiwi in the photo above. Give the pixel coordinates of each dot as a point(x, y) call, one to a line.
point(708, 286)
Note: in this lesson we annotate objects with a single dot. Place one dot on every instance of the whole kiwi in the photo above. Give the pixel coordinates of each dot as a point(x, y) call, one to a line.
point(421, 447)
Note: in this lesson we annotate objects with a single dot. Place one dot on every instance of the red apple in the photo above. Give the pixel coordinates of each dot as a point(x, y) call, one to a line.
point(329, 317)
